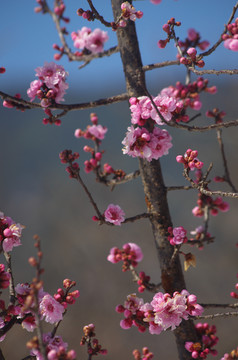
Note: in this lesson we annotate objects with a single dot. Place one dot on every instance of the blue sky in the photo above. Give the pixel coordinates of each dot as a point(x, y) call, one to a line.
point(27, 38)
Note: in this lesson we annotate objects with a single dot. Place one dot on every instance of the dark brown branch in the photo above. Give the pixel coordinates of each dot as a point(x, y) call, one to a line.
point(152, 179)
point(98, 16)
point(137, 217)
point(170, 188)
point(79, 179)
point(118, 181)
point(160, 65)
point(68, 107)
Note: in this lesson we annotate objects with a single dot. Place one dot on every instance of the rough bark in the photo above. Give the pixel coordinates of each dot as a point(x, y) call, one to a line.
point(152, 178)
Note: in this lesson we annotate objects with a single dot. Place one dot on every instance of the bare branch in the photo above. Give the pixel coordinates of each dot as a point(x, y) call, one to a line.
point(208, 192)
point(213, 316)
point(160, 65)
point(214, 72)
point(68, 107)
point(220, 305)
point(227, 173)
point(213, 48)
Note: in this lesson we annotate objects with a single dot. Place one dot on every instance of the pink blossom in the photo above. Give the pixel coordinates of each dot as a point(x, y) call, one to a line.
point(29, 323)
point(10, 233)
point(129, 12)
point(133, 303)
point(80, 37)
point(98, 131)
point(231, 44)
point(114, 214)
point(95, 41)
point(178, 236)
point(139, 142)
point(90, 40)
point(192, 34)
point(51, 309)
point(34, 88)
point(51, 84)
point(166, 105)
point(131, 254)
point(190, 160)
point(51, 343)
point(155, 2)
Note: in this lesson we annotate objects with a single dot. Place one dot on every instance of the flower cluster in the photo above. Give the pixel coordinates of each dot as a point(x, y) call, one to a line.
point(51, 86)
point(114, 214)
point(193, 40)
point(190, 58)
point(66, 297)
point(128, 12)
point(171, 103)
point(233, 355)
point(130, 254)
point(94, 348)
point(55, 348)
point(91, 42)
point(143, 281)
point(163, 312)
point(216, 115)
point(10, 233)
point(177, 236)
point(96, 133)
point(146, 354)
point(139, 142)
point(169, 29)
point(214, 205)
point(67, 156)
point(190, 160)
point(200, 350)
point(231, 39)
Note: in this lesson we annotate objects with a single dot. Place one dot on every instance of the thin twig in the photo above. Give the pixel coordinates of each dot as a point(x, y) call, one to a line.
point(68, 107)
point(208, 192)
point(170, 188)
point(98, 16)
point(219, 305)
point(214, 72)
point(117, 181)
point(89, 196)
point(227, 173)
point(213, 48)
point(137, 217)
point(160, 65)
point(149, 286)
point(213, 316)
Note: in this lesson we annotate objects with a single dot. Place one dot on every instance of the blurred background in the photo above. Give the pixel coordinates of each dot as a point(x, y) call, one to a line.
point(36, 191)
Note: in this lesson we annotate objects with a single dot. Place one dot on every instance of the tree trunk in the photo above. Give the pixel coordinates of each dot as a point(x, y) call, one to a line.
point(155, 191)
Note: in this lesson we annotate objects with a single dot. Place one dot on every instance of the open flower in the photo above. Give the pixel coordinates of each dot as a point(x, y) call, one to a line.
point(114, 214)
